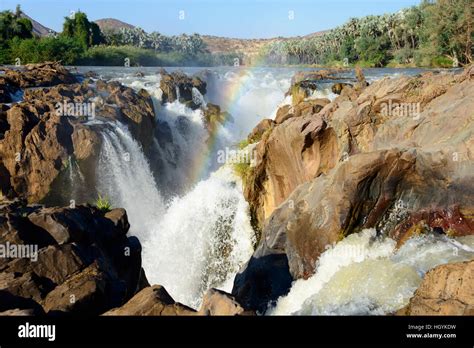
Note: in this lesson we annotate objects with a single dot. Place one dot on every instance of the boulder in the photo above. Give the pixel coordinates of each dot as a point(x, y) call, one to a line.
point(217, 302)
point(367, 120)
point(84, 293)
point(84, 261)
point(453, 221)
point(153, 301)
point(339, 86)
point(178, 85)
point(264, 126)
point(445, 290)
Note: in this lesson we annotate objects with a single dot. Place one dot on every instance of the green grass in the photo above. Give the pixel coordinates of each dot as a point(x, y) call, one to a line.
point(117, 55)
point(243, 144)
point(103, 204)
point(243, 170)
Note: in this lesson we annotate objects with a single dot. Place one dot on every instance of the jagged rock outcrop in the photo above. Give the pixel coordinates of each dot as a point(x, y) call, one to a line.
point(215, 117)
point(391, 113)
point(179, 86)
point(154, 301)
point(37, 75)
point(293, 153)
point(40, 135)
point(377, 156)
point(66, 260)
point(217, 302)
point(445, 290)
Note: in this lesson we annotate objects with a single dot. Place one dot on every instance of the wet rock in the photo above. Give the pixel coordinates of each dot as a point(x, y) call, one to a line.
point(39, 75)
point(453, 221)
point(338, 87)
point(39, 138)
point(217, 302)
point(214, 117)
point(263, 280)
point(445, 290)
point(177, 85)
point(84, 293)
point(154, 301)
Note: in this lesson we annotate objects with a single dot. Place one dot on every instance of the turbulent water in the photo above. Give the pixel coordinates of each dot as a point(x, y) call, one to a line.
point(192, 219)
point(364, 275)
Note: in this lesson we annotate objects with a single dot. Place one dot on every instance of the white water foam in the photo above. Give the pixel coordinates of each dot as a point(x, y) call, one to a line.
point(201, 241)
point(197, 242)
point(124, 176)
point(364, 275)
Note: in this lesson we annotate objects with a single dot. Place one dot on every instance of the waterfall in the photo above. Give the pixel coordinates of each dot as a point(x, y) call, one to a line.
point(124, 177)
point(201, 241)
point(365, 275)
point(202, 236)
point(197, 241)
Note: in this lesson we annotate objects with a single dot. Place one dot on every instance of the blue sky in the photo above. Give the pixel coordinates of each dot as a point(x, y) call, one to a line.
point(231, 18)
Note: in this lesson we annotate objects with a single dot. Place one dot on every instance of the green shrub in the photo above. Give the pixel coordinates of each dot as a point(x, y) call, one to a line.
point(63, 49)
point(103, 203)
point(115, 56)
point(442, 62)
point(243, 144)
point(243, 170)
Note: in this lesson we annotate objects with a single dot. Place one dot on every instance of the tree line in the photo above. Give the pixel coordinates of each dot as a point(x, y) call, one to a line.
point(435, 33)
point(82, 42)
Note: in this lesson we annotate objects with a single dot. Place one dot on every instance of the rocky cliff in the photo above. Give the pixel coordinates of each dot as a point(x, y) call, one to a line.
point(396, 156)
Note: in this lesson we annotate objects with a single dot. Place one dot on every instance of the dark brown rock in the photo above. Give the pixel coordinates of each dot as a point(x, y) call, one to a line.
point(154, 301)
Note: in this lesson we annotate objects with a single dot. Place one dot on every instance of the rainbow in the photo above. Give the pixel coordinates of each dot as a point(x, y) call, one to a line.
point(232, 93)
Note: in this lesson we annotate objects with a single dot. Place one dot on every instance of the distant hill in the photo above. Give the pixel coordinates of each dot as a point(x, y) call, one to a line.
point(38, 28)
point(248, 47)
point(112, 24)
point(215, 44)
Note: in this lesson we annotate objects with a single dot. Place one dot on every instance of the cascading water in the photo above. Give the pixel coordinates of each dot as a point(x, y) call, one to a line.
point(201, 241)
point(364, 275)
point(124, 176)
